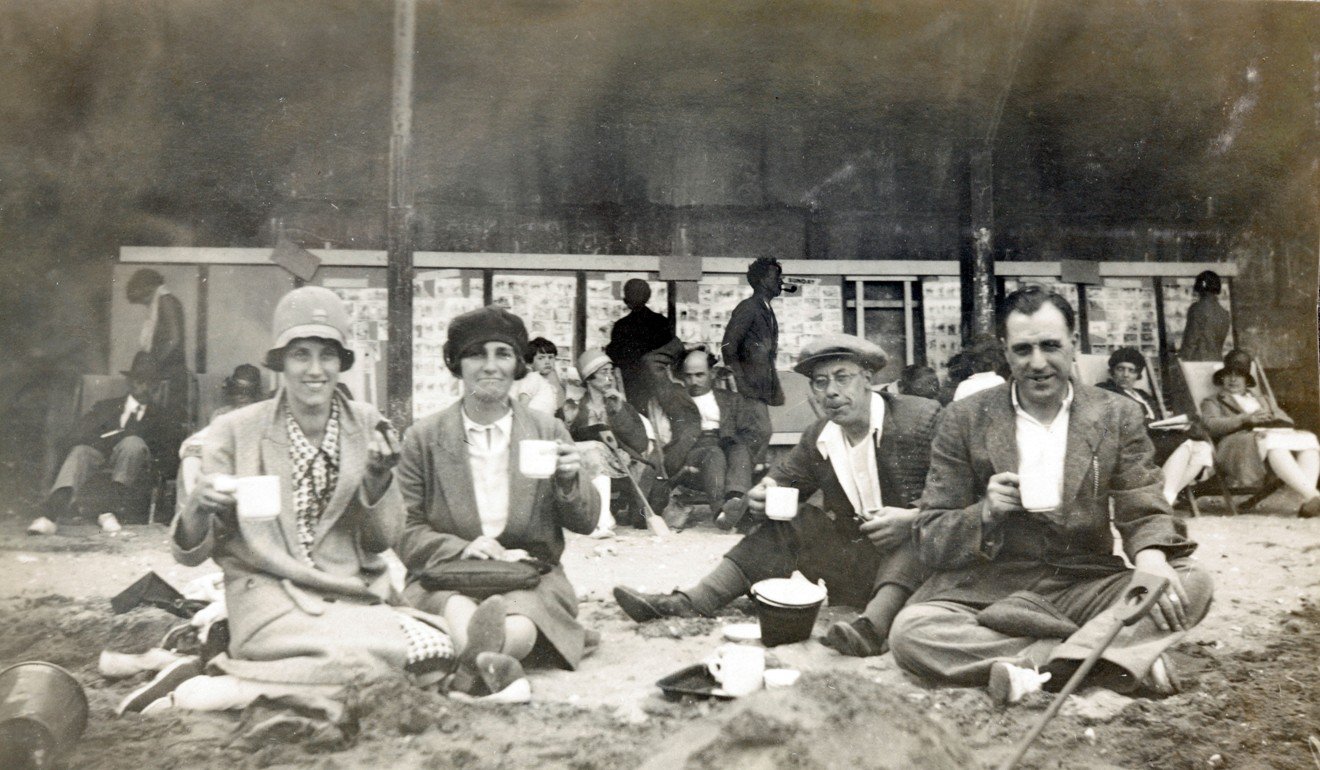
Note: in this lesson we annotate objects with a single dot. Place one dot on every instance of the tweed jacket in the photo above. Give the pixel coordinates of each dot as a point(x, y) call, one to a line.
point(749, 348)
point(282, 629)
point(902, 458)
point(1109, 461)
point(438, 491)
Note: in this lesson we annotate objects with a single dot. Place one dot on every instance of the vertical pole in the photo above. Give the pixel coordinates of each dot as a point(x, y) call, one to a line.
point(399, 264)
point(979, 274)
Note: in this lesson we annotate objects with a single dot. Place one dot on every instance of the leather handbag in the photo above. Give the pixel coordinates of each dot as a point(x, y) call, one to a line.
point(480, 578)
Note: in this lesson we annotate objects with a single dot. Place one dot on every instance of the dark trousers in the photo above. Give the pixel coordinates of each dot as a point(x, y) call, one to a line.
point(759, 412)
point(832, 549)
point(722, 471)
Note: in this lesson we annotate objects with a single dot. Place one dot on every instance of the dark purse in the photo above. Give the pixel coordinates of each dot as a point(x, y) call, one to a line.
point(480, 578)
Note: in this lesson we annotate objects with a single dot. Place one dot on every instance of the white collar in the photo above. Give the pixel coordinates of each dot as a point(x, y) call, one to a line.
point(504, 425)
point(1063, 407)
point(833, 445)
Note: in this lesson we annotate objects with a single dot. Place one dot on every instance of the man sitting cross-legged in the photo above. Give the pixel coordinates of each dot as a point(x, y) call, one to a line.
point(868, 457)
point(1016, 524)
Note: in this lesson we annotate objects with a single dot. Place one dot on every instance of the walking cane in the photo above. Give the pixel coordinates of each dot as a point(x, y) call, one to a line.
point(655, 524)
point(1144, 591)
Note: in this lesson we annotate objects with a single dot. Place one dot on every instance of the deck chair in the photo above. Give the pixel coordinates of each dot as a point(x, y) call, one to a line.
point(799, 412)
point(1093, 368)
point(1198, 375)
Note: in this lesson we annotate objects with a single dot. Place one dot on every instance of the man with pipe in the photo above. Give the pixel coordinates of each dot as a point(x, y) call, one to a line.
point(1016, 525)
point(868, 458)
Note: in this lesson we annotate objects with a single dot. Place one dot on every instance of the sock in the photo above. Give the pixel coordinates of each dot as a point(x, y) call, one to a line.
point(724, 584)
point(884, 607)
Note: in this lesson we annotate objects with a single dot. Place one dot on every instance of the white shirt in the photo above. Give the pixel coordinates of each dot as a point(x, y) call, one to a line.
point(710, 411)
point(132, 409)
point(1043, 448)
point(488, 457)
point(976, 383)
point(540, 394)
point(855, 465)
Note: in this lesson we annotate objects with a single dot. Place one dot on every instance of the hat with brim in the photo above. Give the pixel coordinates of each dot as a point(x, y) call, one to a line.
point(245, 379)
point(1234, 368)
point(144, 367)
point(591, 361)
point(309, 312)
point(829, 347)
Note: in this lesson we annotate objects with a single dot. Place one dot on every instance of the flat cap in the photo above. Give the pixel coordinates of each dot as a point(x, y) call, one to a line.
point(830, 346)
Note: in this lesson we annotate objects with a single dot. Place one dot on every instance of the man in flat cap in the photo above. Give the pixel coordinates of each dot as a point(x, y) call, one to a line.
point(868, 458)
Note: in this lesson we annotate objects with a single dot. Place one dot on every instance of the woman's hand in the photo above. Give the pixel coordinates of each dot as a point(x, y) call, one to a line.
point(383, 449)
point(613, 400)
point(515, 554)
point(484, 547)
point(569, 461)
point(215, 497)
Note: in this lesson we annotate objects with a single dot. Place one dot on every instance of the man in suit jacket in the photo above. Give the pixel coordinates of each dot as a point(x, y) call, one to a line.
point(751, 344)
point(1016, 524)
point(632, 337)
point(868, 458)
point(719, 461)
point(124, 433)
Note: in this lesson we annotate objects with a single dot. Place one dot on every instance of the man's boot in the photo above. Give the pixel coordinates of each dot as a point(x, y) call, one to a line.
point(643, 607)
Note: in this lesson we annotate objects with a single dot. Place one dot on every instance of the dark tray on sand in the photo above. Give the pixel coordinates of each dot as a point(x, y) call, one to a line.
point(694, 681)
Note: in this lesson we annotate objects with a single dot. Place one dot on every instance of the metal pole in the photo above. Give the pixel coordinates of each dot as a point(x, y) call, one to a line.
point(982, 283)
point(399, 265)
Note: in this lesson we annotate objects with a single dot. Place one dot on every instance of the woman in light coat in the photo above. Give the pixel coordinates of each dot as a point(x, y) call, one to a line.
point(306, 586)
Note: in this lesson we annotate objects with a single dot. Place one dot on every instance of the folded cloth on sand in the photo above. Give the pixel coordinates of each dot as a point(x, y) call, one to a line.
point(1027, 614)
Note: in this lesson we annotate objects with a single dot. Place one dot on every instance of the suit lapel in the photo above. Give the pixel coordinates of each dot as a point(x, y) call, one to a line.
point(522, 490)
point(454, 474)
point(275, 461)
point(352, 464)
point(1083, 441)
point(1000, 425)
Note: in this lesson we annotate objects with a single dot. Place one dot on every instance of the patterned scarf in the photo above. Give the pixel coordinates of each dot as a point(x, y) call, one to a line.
point(315, 474)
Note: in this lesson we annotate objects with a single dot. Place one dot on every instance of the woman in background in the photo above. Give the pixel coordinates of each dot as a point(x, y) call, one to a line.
point(1207, 321)
point(1185, 456)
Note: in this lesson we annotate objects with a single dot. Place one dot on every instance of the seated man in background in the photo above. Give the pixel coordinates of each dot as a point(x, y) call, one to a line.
point(719, 462)
point(1015, 524)
point(124, 433)
point(868, 457)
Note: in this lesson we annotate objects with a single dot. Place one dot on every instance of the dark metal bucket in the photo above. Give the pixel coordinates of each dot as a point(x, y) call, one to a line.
point(43, 712)
point(785, 625)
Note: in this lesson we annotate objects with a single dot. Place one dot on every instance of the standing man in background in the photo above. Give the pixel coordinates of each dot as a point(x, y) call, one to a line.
point(632, 337)
point(162, 336)
point(751, 343)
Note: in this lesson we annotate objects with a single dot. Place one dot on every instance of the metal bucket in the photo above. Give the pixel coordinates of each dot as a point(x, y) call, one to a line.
point(43, 712)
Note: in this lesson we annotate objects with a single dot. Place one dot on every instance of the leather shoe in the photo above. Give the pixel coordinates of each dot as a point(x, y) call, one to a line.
point(856, 638)
point(643, 607)
point(731, 512)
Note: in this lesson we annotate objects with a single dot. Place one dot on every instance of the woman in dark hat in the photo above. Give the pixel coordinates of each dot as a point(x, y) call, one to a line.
point(1251, 432)
point(307, 589)
point(1184, 455)
point(467, 498)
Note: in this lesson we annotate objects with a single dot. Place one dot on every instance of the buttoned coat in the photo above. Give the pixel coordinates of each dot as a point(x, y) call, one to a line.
point(1108, 460)
point(750, 347)
point(320, 623)
point(435, 478)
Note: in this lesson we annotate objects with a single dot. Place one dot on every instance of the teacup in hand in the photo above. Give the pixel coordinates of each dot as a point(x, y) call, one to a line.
point(537, 459)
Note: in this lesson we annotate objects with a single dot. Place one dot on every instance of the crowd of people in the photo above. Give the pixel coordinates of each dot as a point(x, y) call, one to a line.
point(968, 522)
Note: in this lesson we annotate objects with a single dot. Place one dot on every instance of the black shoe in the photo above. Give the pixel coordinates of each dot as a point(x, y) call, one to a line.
point(731, 513)
point(643, 607)
point(163, 684)
point(856, 639)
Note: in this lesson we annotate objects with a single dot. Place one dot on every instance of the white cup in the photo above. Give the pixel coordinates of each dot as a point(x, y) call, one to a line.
point(537, 459)
point(1039, 491)
point(258, 497)
point(781, 503)
point(738, 668)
